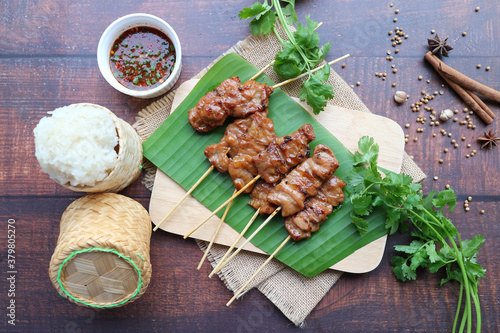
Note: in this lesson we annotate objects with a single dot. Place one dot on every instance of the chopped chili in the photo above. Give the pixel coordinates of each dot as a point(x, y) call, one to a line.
point(142, 58)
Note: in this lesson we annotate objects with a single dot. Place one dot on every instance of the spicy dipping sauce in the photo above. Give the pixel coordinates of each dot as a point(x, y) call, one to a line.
point(142, 58)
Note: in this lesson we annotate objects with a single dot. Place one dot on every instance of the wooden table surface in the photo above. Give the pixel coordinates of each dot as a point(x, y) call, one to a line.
point(48, 60)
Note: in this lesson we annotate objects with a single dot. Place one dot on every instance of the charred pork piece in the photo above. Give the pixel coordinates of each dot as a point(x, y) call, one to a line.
point(316, 209)
point(258, 198)
point(304, 181)
point(230, 98)
point(284, 153)
point(258, 136)
point(219, 154)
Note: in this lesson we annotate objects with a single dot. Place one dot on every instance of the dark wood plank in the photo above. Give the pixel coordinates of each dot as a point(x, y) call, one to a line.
point(47, 60)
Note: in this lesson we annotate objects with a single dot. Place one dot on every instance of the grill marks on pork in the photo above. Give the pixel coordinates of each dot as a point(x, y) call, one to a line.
point(258, 198)
point(284, 153)
point(316, 209)
point(259, 135)
point(218, 154)
point(304, 181)
point(245, 139)
point(230, 98)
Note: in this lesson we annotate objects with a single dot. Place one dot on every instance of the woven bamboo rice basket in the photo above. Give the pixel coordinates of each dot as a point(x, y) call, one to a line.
point(128, 165)
point(102, 255)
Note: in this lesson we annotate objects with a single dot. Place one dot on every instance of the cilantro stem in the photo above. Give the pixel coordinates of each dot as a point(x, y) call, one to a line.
point(278, 35)
point(459, 306)
point(289, 33)
point(461, 264)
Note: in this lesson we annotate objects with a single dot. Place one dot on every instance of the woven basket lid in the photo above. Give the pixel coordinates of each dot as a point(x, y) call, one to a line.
point(102, 254)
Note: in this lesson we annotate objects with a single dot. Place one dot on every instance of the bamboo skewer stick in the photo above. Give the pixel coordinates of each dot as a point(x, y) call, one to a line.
point(235, 242)
point(222, 264)
point(222, 206)
point(258, 270)
point(215, 235)
point(262, 70)
point(312, 71)
point(184, 197)
point(272, 62)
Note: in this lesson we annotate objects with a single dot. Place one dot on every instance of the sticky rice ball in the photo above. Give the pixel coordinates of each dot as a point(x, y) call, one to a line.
point(77, 145)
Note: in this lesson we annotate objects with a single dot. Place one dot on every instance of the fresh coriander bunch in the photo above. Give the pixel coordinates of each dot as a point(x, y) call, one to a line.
point(438, 244)
point(299, 54)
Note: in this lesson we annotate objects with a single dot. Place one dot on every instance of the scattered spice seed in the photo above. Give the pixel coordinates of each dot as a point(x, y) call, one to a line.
point(467, 209)
point(420, 78)
point(463, 138)
point(469, 198)
point(436, 178)
point(358, 83)
point(487, 68)
point(434, 135)
point(467, 156)
point(343, 65)
point(477, 9)
point(464, 34)
point(395, 19)
point(441, 161)
point(397, 50)
point(447, 186)
point(482, 210)
point(407, 125)
point(394, 84)
point(433, 31)
point(445, 150)
point(415, 139)
point(390, 33)
point(396, 12)
point(478, 66)
point(394, 70)
point(391, 5)
point(456, 145)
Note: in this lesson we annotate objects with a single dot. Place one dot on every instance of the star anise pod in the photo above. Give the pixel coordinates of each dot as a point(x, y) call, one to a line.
point(489, 139)
point(439, 46)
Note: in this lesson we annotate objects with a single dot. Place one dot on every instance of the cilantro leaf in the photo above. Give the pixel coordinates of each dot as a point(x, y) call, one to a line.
point(361, 204)
point(257, 10)
point(360, 223)
point(315, 92)
point(288, 62)
point(263, 25)
point(446, 197)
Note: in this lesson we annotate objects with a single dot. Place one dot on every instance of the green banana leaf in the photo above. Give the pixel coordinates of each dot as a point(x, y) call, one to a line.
point(177, 149)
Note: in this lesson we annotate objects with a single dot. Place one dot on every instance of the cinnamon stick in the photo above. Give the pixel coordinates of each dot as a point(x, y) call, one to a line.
point(468, 98)
point(476, 104)
point(461, 79)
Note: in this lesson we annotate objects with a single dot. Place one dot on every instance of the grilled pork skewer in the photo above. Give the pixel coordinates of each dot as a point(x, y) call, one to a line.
point(230, 98)
point(304, 181)
point(316, 209)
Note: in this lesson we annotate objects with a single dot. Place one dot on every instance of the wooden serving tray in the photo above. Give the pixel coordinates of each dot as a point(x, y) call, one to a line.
point(354, 124)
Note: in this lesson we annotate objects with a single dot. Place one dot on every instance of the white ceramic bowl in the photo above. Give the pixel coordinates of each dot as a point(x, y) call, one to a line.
point(120, 26)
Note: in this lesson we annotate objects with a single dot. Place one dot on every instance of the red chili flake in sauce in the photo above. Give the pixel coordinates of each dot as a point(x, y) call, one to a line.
point(142, 58)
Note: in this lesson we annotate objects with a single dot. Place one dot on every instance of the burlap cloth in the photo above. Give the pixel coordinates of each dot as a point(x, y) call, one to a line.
point(294, 294)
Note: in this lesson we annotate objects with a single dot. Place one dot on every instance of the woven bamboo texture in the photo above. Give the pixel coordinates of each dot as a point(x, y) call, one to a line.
point(106, 221)
point(128, 165)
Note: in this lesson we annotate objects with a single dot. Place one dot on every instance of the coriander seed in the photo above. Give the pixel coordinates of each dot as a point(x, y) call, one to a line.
point(358, 83)
point(487, 68)
point(477, 9)
point(469, 198)
point(482, 210)
point(478, 66)
point(447, 186)
point(467, 209)
point(433, 31)
point(464, 33)
point(395, 19)
point(420, 78)
point(343, 66)
point(396, 11)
